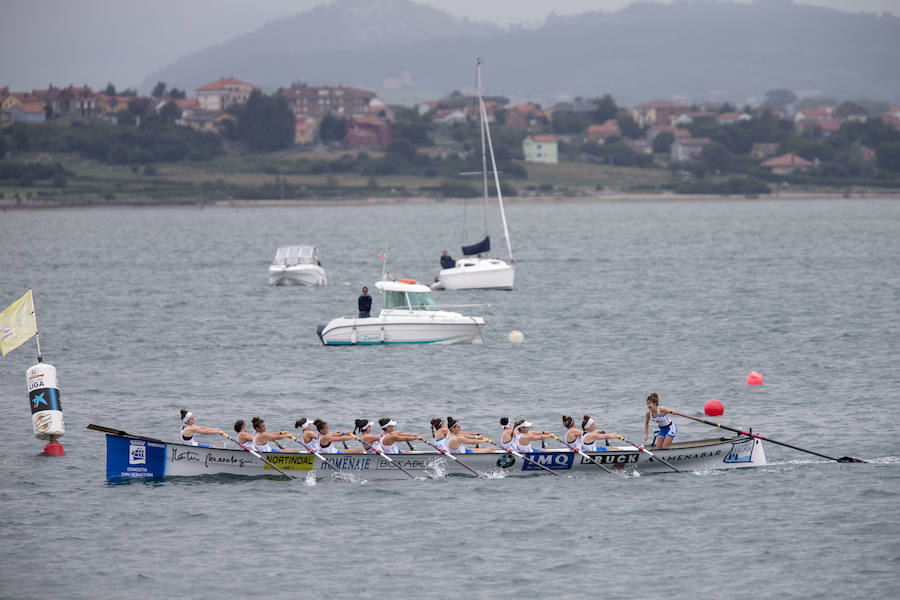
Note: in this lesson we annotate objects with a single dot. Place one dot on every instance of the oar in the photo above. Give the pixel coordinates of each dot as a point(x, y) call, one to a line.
point(380, 453)
point(843, 459)
point(581, 452)
point(642, 449)
point(522, 456)
point(450, 455)
point(317, 453)
point(121, 433)
point(256, 454)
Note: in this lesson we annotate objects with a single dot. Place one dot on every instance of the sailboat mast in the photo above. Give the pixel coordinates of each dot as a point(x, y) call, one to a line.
point(478, 92)
point(487, 132)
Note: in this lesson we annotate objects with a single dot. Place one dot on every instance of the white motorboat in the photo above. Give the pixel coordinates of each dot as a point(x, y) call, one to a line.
point(297, 265)
point(409, 316)
point(475, 270)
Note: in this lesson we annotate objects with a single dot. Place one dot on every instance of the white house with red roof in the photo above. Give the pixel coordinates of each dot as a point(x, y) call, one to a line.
point(658, 112)
point(787, 164)
point(541, 148)
point(597, 134)
point(221, 94)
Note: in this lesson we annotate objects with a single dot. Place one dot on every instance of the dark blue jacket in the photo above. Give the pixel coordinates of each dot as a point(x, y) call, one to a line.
point(365, 303)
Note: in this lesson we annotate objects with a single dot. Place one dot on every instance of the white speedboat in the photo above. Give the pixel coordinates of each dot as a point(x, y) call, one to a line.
point(409, 316)
point(475, 271)
point(297, 265)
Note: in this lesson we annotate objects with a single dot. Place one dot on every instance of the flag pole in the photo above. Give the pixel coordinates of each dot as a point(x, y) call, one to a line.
point(37, 338)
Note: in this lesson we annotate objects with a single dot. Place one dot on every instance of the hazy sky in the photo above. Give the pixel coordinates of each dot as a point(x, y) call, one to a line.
point(123, 41)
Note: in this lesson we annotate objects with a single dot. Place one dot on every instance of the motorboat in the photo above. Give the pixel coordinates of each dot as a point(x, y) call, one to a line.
point(409, 315)
point(477, 269)
point(297, 265)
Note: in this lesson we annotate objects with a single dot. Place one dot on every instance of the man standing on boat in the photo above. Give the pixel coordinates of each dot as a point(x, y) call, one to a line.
point(365, 304)
point(447, 261)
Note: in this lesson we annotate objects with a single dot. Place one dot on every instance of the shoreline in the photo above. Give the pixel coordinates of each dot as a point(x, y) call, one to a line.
point(617, 197)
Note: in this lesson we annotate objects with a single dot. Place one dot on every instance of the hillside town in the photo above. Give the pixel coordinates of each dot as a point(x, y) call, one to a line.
point(780, 138)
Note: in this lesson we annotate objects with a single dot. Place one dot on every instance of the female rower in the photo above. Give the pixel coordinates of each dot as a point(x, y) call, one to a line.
point(660, 414)
point(364, 428)
point(506, 437)
point(590, 435)
point(457, 438)
point(262, 440)
point(306, 427)
point(243, 438)
point(188, 429)
point(326, 442)
point(523, 436)
point(440, 432)
point(387, 443)
point(573, 434)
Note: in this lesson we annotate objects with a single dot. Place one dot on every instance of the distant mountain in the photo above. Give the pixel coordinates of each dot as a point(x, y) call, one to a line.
point(691, 51)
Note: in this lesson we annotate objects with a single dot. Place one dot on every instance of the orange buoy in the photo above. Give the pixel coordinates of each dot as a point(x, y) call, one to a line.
point(754, 378)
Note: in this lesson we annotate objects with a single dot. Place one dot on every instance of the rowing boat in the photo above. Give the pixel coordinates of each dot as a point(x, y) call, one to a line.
point(136, 457)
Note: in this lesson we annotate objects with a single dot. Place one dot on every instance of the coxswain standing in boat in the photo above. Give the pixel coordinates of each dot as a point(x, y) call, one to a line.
point(243, 438)
point(523, 436)
point(364, 428)
point(506, 438)
point(387, 443)
point(188, 429)
point(660, 414)
point(263, 440)
point(590, 435)
point(458, 439)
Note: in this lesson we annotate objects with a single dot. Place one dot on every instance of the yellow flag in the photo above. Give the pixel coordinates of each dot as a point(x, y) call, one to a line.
point(17, 323)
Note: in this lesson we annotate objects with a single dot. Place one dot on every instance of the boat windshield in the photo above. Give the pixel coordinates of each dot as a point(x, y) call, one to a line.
point(410, 300)
point(421, 301)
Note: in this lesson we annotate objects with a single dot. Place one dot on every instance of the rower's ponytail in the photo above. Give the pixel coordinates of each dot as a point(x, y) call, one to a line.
point(318, 424)
point(451, 422)
point(300, 423)
point(257, 422)
point(504, 421)
point(435, 425)
point(584, 421)
point(517, 423)
point(184, 411)
point(238, 425)
point(568, 422)
point(358, 425)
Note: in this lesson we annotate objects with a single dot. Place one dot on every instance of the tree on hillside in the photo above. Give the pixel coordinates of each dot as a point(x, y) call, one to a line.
point(888, 156)
point(139, 107)
point(606, 109)
point(159, 90)
point(170, 112)
point(662, 143)
point(177, 94)
point(629, 127)
point(780, 98)
point(264, 122)
point(716, 156)
point(332, 129)
point(110, 89)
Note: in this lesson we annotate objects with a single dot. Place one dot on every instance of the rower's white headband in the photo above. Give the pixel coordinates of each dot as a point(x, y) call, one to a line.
point(187, 416)
point(525, 424)
point(389, 423)
point(308, 424)
point(366, 426)
point(589, 423)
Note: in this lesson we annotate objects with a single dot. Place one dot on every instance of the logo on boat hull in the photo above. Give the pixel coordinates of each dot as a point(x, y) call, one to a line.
point(741, 452)
point(506, 461)
point(558, 461)
point(137, 453)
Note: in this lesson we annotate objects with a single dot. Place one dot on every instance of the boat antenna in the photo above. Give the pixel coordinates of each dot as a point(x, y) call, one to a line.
point(487, 132)
point(37, 338)
point(383, 256)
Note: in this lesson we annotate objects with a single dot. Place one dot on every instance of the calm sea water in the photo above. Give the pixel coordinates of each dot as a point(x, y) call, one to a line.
point(146, 311)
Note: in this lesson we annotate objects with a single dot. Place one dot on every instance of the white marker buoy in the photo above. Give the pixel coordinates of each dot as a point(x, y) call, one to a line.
point(516, 337)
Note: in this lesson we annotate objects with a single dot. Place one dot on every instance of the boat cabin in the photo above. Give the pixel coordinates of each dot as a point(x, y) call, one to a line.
point(406, 294)
point(289, 256)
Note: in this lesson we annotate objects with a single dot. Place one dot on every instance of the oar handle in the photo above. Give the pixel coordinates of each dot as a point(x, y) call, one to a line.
point(256, 454)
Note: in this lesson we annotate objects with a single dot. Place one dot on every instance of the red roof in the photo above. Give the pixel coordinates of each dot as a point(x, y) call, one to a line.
point(608, 126)
point(223, 84)
point(542, 138)
point(663, 104)
point(811, 113)
point(32, 107)
point(787, 160)
point(828, 124)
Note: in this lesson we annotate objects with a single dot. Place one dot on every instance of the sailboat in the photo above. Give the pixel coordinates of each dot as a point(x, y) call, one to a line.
point(475, 270)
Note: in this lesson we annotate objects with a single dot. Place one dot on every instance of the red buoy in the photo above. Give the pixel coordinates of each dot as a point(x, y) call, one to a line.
point(713, 408)
point(754, 378)
point(54, 449)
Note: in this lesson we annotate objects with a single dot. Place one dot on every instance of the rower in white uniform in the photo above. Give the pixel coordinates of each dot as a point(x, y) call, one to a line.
point(523, 436)
point(264, 441)
point(387, 442)
point(591, 435)
point(660, 414)
point(188, 429)
point(457, 440)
